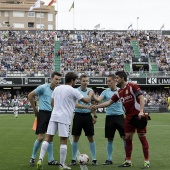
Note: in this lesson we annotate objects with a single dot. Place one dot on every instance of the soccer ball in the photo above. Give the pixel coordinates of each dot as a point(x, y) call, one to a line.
point(83, 159)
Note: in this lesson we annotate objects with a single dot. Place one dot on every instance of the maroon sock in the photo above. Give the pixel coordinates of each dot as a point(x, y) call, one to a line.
point(128, 148)
point(145, 147)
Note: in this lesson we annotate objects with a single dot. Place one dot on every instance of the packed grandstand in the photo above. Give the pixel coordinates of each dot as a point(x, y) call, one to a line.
point(96, 53)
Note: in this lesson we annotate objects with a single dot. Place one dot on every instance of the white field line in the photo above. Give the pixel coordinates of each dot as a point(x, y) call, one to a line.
point(147, 126)
point(82, 167)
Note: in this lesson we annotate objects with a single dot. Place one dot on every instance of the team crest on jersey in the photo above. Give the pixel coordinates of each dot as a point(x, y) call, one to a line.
point(126, 92)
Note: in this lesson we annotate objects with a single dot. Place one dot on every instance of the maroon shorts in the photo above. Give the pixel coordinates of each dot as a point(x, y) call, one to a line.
point(129, 128)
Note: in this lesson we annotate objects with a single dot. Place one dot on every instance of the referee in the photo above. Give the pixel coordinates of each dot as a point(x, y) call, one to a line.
point(114, 117)
point(43, 115)
point(83, 120)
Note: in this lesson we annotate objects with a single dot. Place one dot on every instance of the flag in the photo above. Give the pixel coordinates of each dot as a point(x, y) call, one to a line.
point(97, 26)
point(72, 6)
point(51, 2)
point(129, 26)
point(36, 5)
point(34, 126)
point(162, 27)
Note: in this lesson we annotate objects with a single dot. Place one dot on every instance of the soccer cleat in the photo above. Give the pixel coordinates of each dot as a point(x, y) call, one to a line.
point(32, 162)
point(72, 163)
point(126, 164)
point(146, 165)
point(39, 165)
point(53, 162)
point(108, 162)
point(64, 167)
point(94, 162)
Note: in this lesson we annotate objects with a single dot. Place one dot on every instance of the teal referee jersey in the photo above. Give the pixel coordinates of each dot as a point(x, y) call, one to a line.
point(115, 108)
point(44, 93)
point(85, 94)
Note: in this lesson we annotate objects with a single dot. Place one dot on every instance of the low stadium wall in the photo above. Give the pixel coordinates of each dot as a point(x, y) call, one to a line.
point(35, 81)
point(148, 109)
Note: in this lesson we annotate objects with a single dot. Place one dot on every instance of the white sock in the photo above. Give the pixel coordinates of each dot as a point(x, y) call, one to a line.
point(128, 161)
point(147, 162)
point(43, 149)
point(63, 154)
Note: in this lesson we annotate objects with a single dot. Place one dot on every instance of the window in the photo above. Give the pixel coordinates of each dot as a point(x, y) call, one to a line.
point(6, 14)
point(18, 14)
point(50, 27)
point(31, 14)
point(30, 25)
point(7, 24)
point(18, 25)
point(50, 17)
point(40, 26)
point(40, 15)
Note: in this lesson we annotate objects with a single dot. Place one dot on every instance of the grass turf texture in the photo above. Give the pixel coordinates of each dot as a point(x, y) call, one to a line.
point(17, 138)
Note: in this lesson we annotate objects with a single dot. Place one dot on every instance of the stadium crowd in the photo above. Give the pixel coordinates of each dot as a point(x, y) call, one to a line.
point(152, 97)
point(26, 52)
point(91, 52)
point(156, 48)
point(6, 98)
point(97, 53)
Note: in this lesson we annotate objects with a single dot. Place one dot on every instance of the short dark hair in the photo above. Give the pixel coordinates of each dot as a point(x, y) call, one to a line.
point(70, 76)
point(83, 76)
point(122, 74)
point(55, 73)
point(113, 76)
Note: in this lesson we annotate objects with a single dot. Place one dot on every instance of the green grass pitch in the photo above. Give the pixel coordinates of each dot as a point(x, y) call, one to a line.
point(17, 138)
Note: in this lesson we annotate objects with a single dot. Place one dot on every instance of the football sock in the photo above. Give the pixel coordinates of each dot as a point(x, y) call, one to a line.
point(50, 152)
point(145, 147)
point(74, 150)
point(35, 148)
point(128, 149)
point(63, 153)
point(125, 147)
point(43, 149)
point(93, 150)
point(109, 148)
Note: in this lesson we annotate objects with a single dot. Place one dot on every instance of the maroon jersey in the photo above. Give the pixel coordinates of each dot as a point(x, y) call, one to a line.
point(128, 96)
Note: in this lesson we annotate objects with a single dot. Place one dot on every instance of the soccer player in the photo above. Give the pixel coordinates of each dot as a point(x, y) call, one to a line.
point(114, 116)
point(64, 100)
point(132, 99)
point(44, 93)
point(15, 106)
point(83, 120)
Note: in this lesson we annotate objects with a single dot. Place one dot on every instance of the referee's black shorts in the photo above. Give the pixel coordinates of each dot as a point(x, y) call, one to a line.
point(113, 123)
point(43, 117)
point(83, 121)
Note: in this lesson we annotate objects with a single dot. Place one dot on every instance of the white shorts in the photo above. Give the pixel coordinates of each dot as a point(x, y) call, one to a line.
point(63, 129)
point(15, 108)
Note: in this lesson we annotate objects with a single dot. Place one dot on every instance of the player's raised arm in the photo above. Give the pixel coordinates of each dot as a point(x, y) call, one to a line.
point(98, 98)
point(105, 104)
point(82, 106)
point(88, 99)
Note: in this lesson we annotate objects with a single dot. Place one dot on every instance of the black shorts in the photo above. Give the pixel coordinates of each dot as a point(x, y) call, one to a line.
point(83, 121)
point(43, 118)
point(113, 123)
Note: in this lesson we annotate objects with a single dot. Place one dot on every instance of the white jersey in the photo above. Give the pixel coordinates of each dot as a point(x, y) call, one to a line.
point(65, 98)
point(15, 102)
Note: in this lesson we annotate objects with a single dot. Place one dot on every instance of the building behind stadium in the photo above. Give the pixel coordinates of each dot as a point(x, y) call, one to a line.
point(15, 15)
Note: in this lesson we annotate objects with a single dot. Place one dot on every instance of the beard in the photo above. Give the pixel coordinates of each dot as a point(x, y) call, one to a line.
point(118, 85)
